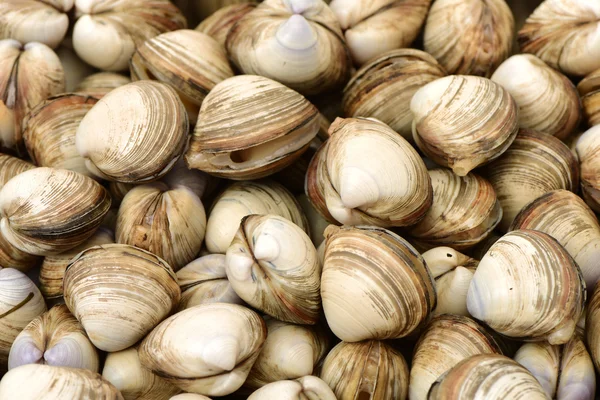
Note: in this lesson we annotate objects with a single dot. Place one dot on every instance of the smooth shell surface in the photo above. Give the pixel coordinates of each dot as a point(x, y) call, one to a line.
point(307, 387)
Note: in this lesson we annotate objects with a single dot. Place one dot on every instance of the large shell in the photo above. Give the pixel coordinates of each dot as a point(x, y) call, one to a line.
point(490, 377)
point(384, 86)
point(119, 293)
point(464, 211)
point(367, 370)
point(296, 42)
point(135, 133)
point(290, 352)
point(588, 151)
point(307, 387)
point(219, 23)
point(273, 266)
point(250, 127)
point(564, 216)
point(350, 180)
point(548, 102)
point(446, 341)
point(54, 338)
point(374, 284)
point(29, 74)
point(207, 349)
point(107, 32)
point(49, 131)
point(589, 89)
point(469, 37)
point(371, 27)
point(564, 33)
point(503, 293)
point(47, 211)
point(245, 198)
point(100, 83)
point(535, 164)
point(463, 122)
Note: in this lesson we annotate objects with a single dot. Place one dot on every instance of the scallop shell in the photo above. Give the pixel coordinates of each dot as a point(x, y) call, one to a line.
point(307, 387)
point(219, 23)
point(587, 148)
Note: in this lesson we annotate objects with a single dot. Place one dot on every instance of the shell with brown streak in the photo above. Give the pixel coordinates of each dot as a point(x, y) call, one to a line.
point(219, 23)
point(100, 83)
point(592, 326)
point(307, 387)
point(589, 89)
point(588, 151)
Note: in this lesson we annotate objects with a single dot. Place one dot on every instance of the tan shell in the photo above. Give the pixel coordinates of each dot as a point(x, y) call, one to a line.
point(20, 303)
point(383, 87)
point(250, 127)
point(371, 27)
point(100, 83)
point(124, 370)
point(490, 377)
point(464, 211)
point(589, 89)
point(34, 21)
point(307, 387)
point(273, 266)
point(53, 267)
point(502, 295)
point(463, 122)
point(107, 32)
point(49, 131)
point(371, 369)
point(316, 222)
point(564, 33)
point(246, 198)
point(588, 151)
point(592, 326)
point(207, 349)
point(535, 164)
point(54, 338)
point(469, 37)
point(10, 167)
point(29, 74)
point(296, 42)
point(47, 211)
point(374, 284)
point(219, 23)
point(446, 341)
point(135, 133)
point(119, 293)
point(548, 101)
point(348, 180)
point(290, 352)
point(564, 216)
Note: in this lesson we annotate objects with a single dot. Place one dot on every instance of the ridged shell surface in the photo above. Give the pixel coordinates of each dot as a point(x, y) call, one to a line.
point(588, 151)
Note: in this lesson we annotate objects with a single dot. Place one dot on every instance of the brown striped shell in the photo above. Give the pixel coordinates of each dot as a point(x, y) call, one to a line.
point(592, 326)
point(12, 166)
point(100, 83)
point(588, 151)
point(589, 89)
point(218, 24)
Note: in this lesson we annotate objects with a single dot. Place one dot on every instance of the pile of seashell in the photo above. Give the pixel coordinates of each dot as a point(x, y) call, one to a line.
point(299, 199)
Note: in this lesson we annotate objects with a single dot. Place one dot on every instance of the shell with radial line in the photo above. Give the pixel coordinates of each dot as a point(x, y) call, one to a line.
point(135, 133)
point(589, 89)
point(250, 127)
point(370, 369)
point(588, 151)
point(54, 338)
point(502, 295)
point(307, 387)
point(535, 164)
point(273, 266)
point(464, 212)
point(469, 37)
point(208, 349)
point(446, 341)
point(219, 23)
point(290, 352)
point(463, 122)
point(592, 326)
point(368, 174)
point(296, 42)
point(119, 293)
point(47, 211)
point(375, 285)
point(100, 83)
point(548, 101)
point(371, 28)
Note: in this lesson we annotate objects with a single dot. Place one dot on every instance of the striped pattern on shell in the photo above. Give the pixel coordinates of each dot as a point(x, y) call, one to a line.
point(589, 89)
point(588, 151)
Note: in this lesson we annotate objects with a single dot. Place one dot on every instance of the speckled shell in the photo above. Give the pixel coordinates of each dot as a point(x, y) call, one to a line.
point(307, 387)
point(219, 23)
point(588, 151)
point(589, 89)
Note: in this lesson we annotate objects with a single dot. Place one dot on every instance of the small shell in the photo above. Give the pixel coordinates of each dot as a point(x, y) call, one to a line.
point(119, 293)
point(250, 127)
point(100, 83)
point(374, 284)
point(135, 133)
point(366, 370)
point(502, 293)
point(463, 122)
point(47, 211)
point(307, 387)
point(273, 266)
point(564, 33)
point(548, 101)
point(469, 37)
point(587, 147)
point(589, 89)
point(464, 211)
point(383, 87)
point(219, 23)
point(11, 167)
point(535, 164)
point(54, 338)
point(349, 179)
point(446, 341)
point(207, 349)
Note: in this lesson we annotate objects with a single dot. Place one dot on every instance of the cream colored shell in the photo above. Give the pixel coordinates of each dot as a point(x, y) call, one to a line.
point(592, 326)
point(219, 23)
point(307, 387)
point(588, 151)
point(12, 166)
point(589, 89)
point(100, 83)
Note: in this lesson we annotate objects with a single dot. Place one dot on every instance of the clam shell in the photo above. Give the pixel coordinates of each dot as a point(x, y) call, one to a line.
point(587, 147)
point(100, 83)
point(10, 167)
point(309, 387)
point(592, 326)
point(316, 222)
point(589, 89)
point(219, 23)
